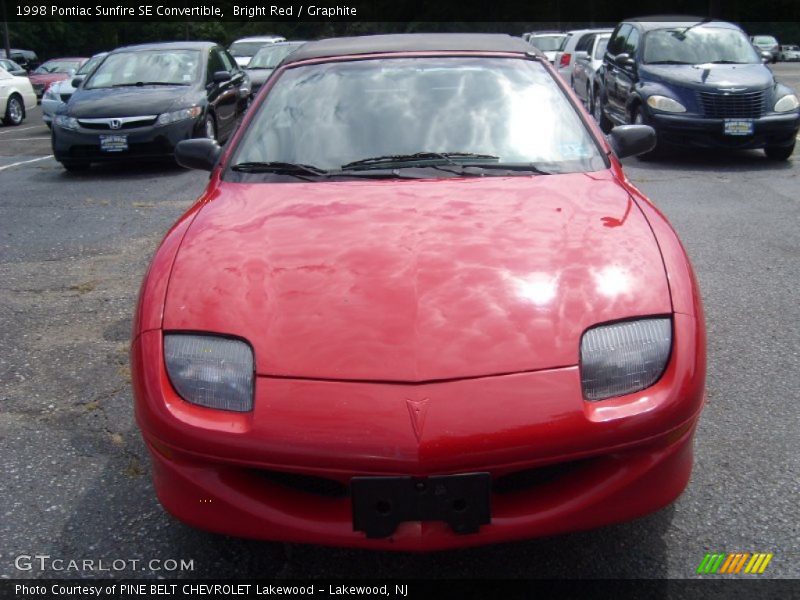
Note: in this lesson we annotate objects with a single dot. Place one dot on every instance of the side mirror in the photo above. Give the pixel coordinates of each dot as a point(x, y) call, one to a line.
point(221, 77)
point(200, 153)
point(766, 56)
point(630, 140)
point(77, 81)
point(624, 60)
point(581, 55)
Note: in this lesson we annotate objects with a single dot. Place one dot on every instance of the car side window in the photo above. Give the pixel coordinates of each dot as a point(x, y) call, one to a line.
point(632, 42)
point(617, 43)
point(230, 63)
point(585, 43)
point(215, 64)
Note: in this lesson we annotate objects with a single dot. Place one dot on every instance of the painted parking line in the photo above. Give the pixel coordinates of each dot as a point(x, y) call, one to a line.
point(25, 162)
point(42, 137)
point(18, 129)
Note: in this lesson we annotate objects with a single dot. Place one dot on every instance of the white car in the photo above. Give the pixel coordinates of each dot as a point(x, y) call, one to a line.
point(16, 97)
point(577, 40)
point(548, 43)
point(790, 52)
point(245, 49)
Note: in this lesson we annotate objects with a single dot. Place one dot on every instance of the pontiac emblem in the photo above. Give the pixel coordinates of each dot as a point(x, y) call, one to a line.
point(115, 123)
point(417, 409)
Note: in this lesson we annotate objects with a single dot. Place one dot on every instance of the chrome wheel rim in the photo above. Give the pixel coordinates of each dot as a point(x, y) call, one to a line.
point(14, 111)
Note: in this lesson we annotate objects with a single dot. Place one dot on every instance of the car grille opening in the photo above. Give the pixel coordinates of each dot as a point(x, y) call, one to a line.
point(733, 105)
point(125, 125)
point(310, 484)
point(528, 478)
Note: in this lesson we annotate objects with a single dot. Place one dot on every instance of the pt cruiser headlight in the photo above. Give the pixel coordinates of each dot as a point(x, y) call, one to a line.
point(67, 122)
point(787, 103)
point(210, 370)
point(625, 357)
point(179, 115)
point(665, 104)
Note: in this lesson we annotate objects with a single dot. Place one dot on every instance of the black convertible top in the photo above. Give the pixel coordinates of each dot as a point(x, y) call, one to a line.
point(411, 42)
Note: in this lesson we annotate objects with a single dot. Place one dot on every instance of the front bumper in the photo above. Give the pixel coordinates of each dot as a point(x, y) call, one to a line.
point(152, 141)
point(557, 463)
point(700, 132)
point(50, 108)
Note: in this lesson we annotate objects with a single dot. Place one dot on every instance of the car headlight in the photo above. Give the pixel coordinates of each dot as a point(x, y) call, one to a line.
point(787, 103)
point(211, 371)
point(52, 93)
point(665, 104)
point(179, 115)
point(625, 357)
point(67, 122)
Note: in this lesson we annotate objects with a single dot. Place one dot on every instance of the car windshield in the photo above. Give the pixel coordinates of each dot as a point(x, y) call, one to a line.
point(269, 57)
point(600, 48)
point(147, 67)
point(548, 43)
point(4, 74)
point(58, 66)
point(404, 111)
point(765, 40)
point(246, 48)
point(698, 45)
point(89, 65)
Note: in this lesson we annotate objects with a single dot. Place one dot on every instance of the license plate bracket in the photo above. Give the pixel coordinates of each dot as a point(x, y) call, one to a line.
point(380, 504)
point(114, 143)
point(738, 127)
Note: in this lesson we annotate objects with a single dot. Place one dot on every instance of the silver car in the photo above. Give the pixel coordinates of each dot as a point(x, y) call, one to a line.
point(584, 79)
point(767, 43)
point(575, 41)
point(59, 93)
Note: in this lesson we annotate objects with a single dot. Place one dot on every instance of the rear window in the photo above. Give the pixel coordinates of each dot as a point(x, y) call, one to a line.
point(548, 43)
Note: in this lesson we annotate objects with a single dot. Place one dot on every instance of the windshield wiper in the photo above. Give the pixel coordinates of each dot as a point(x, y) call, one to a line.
point(724, 62)
point(668, 62)
point(526, 167)
point(446, 157)
point(280, 168)
point(143, 83)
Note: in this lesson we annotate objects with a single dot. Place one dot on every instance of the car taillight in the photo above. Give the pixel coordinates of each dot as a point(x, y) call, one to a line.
point(564, 62)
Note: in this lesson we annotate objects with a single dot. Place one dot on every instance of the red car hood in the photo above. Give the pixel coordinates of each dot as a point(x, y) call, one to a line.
point(416, 280)
point(47, 78)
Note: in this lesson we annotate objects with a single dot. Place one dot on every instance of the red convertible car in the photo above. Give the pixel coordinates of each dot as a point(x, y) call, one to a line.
point(419, 306)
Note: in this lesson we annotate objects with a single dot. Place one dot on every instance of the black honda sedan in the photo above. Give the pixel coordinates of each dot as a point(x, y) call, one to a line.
point(142, 100)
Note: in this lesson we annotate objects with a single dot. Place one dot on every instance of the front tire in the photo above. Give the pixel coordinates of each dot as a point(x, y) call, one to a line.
point(779, 153)
point(597, 112)
point(15, 111)
point(639, 119)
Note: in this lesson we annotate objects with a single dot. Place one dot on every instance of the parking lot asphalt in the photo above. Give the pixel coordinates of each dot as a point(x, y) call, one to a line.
point(73, 250)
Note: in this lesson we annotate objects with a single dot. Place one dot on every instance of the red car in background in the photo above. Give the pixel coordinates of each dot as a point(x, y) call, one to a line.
point(56, 69)
point(419, 306)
